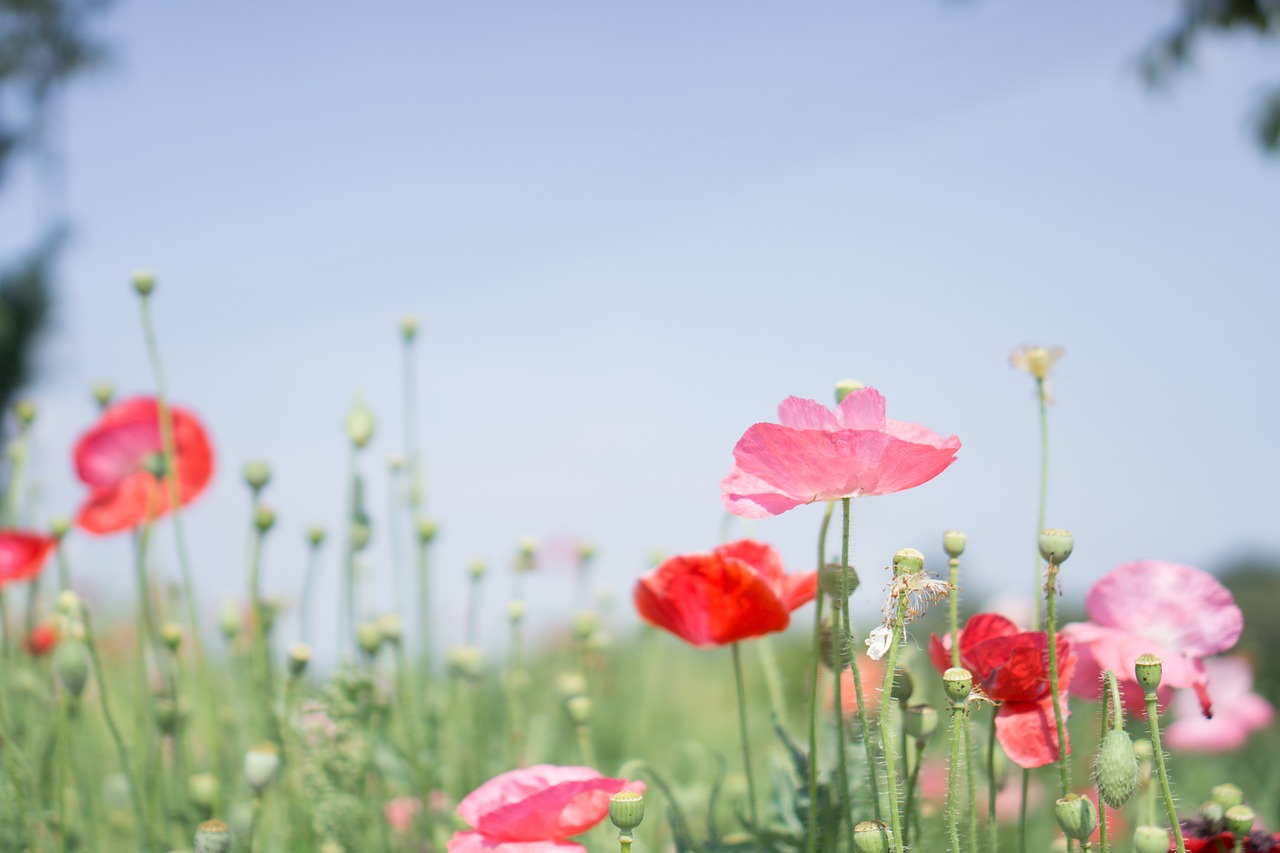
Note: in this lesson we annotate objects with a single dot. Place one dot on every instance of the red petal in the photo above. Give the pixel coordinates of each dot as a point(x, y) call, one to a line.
point(709, 601)
point(1027, 732)
point(22, 554)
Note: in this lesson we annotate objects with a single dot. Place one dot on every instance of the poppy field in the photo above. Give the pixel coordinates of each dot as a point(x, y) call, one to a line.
point(1117, 716)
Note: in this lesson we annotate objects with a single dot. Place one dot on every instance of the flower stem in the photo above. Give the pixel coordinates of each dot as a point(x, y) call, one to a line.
point(891, 772)
point(1042, 397)
point(1153, 721)
point(953, 820)
point(1108, 678)
point(1051, 626)
point(953, 607)
point(993, 833)
point(1022, 811)
point(847, 629)
point(746, 741)
point(970, 780)
point(811, 836)
point(308, 589)
point(843, 647)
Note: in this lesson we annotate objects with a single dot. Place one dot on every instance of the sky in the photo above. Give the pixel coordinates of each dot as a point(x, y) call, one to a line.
point(628, 231)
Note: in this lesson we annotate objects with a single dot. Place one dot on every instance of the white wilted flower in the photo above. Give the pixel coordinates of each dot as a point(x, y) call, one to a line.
point(922, 591)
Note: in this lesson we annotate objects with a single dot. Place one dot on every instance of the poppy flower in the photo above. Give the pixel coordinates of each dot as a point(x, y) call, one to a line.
point(42, 640)
point(1178, 613)
point(714, 598)
point(816, 454)
point(535, 810)
point(401, 812)
point(1209, 836)
point(1012, 667)
point(23, 554)
point(111, 459)
point(1240, 710)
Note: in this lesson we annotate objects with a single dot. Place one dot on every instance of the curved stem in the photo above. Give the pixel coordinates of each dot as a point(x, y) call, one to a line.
point(811, 836)
point(746, 742)
point(1153, 722)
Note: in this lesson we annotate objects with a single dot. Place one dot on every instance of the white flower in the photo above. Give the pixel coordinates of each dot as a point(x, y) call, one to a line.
point(878, 642)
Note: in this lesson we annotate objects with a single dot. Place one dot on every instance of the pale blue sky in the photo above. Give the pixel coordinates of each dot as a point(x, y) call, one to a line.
point(630, 230)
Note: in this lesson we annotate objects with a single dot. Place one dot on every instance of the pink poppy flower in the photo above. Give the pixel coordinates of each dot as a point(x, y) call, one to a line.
point(22, 555)
point(401, 811)
point(1012, 667)
point(815, 454)
point(1178, 613)
point(110, 459)
point(1240, 710)
point(536, 809)
point(737, 591)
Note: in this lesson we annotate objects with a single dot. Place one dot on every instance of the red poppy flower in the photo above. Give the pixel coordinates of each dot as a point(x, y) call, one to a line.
point(737, 591)
point(42, 640)
point(111, 457)
point(1012, 668)
point(22, 554)
point(1204, 836)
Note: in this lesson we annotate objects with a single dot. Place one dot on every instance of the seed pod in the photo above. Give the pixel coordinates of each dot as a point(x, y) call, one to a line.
point(260, 765)
point(1151, 839)
point(71, 664)
point(213, 836)
point(1147, 669)
point(871, 836)
point(958, 682)
point(1076, 815)
point(626, 810)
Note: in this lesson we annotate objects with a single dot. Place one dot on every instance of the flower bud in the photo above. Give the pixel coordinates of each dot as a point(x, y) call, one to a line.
point(229, 621)
point(257, 473)
point(584, 625)
point(153, 464)
point(1115, 768)
point(1056, 545)
point(958, 683)
point(526, 553)
point(907, 560)
point(368, 638)
point(1227, 795)
point(579, 708)
point(1077, 817)
point(953, 542)
point(168, 715)
point(845, 387)
point(59, 526)
point(360, 424)
point(68, 603)
point(1240, 820)
point(871, 836)
point(427, 530)
point(1212, 812)
point(466, 661)
point(264, 518)
point(315, 536)
point(299, 657)
point(920, 721)
point(71, 665)
point(144, 282)
point(515, 611)
point(1150, 839)
point(409, 327)
point(392, 628)
point(903, 685)
point(831, 642)
point(171, 635)
point(202, 788)
point(260, 765)
point(586, 551)
point(103, 391)
point(395, 464)
point(361, 533)
point(626, 809)
point(829, 580)
point(213, 836)
point(476, 568)
point(570, 684)
point(1148, 668)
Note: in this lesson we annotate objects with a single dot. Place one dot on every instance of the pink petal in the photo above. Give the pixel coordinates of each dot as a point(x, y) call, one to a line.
point(1117, 650)
point(1028, 733)
point(798, 413)
point(862, 409)
point(917, 434)
point(748, 496)
point(474, 842)
point(23, 554)
point(1179, 607)
point(541, 802)
point(115, 446)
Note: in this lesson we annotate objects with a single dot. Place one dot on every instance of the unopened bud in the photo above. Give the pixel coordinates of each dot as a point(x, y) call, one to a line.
point(361, 533)
point(260, 765)
point(71, 664)
point(1115, 768)
point(829, 579)
point(1150, 839)
point(103, 391)
point(579, 709)
point(1148, 668)
point(1240, 820)
point(830, 642)
point(213, 836)
point(920, 721)
point(476, 568)
point(68, 603)
point(360, 424)
point(392, 628)
point(584, 625)
point(229, 621)
point(1227, 795)
point(144, 282)
point(168, 715)
point(257, 473)
point(1077, 816)
point(203, 789)
point(409, 327)
point(153, 464)
point(570, 684)
point(264, 518)
point(953, 542)
point(515, 612)
point(871, 836)
point(527, 553)
point(586, 552)
point(427, 530)
point(299, 657)
point(845, 387)
point(171, 635)
point(626, 810)
point(907, 560)
point(958, 683)
point(903, 684)
point(1056, 545)
point(466, 661)
point(369, 638)
point(59, 526)
point(315, 536)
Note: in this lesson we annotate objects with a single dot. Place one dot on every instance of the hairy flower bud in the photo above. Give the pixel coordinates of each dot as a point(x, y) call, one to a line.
point(1115, 768)
point(1076, 816)
point(829, 579)
point(903, 684)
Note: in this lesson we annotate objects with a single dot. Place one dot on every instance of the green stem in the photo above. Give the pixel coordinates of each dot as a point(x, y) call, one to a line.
point(348, 589)
point(912, 783)
point(15, 765)
point(746, 741)
point(970, 781)
point(811, 837)
point(772, 680)
point(1022, 811)
point(891, 772)
point(1044, 496)
point(847, 623)
point(953, 820)
point(1102, 733)
point(1153, 722)
point(308, 590)
point(1051, 626)
point(992, 828)
point(843, 647)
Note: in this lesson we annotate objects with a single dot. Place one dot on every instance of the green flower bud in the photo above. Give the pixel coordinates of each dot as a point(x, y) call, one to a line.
point(427, 530)
point(515, 612)
point(829, 643)
point(153, 464)
point(360, 424)
point(466, 662)
point(907, 560)
point(392, 628)
point(68, 603)
point(395, 464)
point(579, 708)
point(1227, 795)
point(920, 721)
point(202, 788)
point(144, 282)
point(584, 625)
point(1077, 816)
point(1212, 812)
point(264, 518)
point(229, 621)
point(586, 552)
point(570, 684)
point(213, 836)
point(299, 657)
point(315, 536)
point(257, 473)
point(1148, 669)
point(171, 635)
point(369, 638)
point(103, 391)
point(168, 715)
point(829, 581)
point(953, 542)
point(476, 568)
point(409, 328)
point(71, 665)
point(527, 553)
point(958, 683)
point(1150, 839)
point(903, 685)
point(626, 810)
point(1056, 545)
point(59, 526)
point(361, 533)
point(1115, 768)
point(1240, 820)
point(845, 387)
point(871, 836)
point(260, 765)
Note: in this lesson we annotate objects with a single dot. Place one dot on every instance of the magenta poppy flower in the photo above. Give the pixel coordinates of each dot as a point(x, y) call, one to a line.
point(1240, 710)
point(1011, 667)
point(816, 454)
point(536, 809)
point(1178, 613)
point(22, 555)
point(737, 591)
point(110, 458)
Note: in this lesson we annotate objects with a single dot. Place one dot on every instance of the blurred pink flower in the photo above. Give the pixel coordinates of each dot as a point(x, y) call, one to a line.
point(401, 811)
point(1240, 710)
point(1178, 613)
point(815, 454)
point(535, 809)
